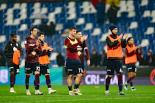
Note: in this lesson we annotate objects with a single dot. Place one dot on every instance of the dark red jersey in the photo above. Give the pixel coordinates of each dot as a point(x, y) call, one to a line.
point(83, 51)
point(32, 45)
point(71, 47)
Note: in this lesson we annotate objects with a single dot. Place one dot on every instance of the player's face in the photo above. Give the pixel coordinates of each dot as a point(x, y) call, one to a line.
point(14, 38)
point(114, 31)
point(79, 35)
point(73, 32)
point(42, 37)
point(131, 41)
point(34, 32)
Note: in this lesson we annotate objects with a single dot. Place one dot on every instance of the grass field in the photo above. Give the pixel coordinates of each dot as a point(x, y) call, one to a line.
point(91, 94)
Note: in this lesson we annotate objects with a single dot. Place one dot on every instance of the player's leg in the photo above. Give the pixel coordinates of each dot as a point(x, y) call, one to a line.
point(69, 83)
point(110, 73)
point(78, 70)
point(37, 79)
point(69, 71)
point(77, 84)
point(131, 76)
point(119, 71)
point(44, 70)
point(12, 79)
point(28, 71)
point(82, 74)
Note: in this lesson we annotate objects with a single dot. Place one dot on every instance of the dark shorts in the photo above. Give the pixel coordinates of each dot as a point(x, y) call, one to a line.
point(83, 66)
point(131, 68)
point(44, 69)
point(32, 68)
point(14, 68)
point(73, 67)
point(114, 66)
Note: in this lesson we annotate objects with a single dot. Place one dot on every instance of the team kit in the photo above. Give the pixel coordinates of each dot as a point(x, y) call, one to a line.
point(77, 57)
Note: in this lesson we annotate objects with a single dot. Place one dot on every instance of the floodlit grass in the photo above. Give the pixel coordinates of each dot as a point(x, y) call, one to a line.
point(91, 94)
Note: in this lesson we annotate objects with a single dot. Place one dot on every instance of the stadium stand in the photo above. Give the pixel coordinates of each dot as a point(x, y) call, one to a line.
point(136, 17)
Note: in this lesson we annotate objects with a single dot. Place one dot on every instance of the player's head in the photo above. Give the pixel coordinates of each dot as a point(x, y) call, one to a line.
point(113, 29)
point(34, 31)
point(13, 37)
point(130, 40)
point(72, 31)
point(78, 34)
point(41, 36)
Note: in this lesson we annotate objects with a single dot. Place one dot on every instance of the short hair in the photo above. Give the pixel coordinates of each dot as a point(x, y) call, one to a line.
point(13, 34)
point(71, 28)
point(77, 31)
point(41, 33)
point(33, 28)
point(129, 38)
point(112, 27)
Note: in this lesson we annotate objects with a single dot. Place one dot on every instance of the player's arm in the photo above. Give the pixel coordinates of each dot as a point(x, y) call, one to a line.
point(123, 43)
point(46, 51)
point(29, 46)
point(87, 53)
point(8, 51)
point(131, 51)
point(20, 48)
point(112, 43)
point(71, 47)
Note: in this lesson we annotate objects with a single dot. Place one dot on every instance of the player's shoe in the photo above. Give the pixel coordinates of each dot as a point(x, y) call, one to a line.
point(121, 93)
point(12, 90)
point(133, 88)
point(28, 92)
point(71, 93)
point(51, 91)
point(126, 86)
point(77, 92)
point(107, 92)
point(38, 92)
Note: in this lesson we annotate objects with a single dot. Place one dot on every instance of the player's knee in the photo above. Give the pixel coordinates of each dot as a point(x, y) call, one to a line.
point(27, 75)
point(70, 76)
point(12, 73)
point(47, 74)
point(109, 76)
point(119, 74)
point(36, 72)
point(79, 75)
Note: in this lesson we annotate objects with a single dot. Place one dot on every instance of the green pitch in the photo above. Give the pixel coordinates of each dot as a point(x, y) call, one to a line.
point(91, 94)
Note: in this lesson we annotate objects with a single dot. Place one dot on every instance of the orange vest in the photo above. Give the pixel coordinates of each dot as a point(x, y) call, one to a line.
point(114, 52)
point(133, 58)
point(44, 59)
point(16, 57)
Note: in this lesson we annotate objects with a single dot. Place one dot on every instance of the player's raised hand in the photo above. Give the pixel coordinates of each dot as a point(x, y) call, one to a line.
point(88, 62)
point(83, 38)
point(50, 49)
point(125, 36)
point(120, 36)
point(15, 49)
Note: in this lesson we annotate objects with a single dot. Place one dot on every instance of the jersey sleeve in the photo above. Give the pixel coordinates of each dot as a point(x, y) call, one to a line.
point(86, 50)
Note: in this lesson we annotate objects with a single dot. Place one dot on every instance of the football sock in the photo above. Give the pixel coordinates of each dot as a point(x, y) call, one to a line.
point(48, 81)
point(12, 79)
point(107, 83)
point(27, 81)
point(36, 81)
point(120, 82)
point(70, 88)
point(76, 86)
